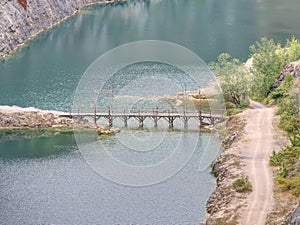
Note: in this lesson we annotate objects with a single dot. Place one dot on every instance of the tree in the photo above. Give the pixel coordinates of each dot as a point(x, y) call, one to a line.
point(293, 49)
point(268, 61)
point(235, 79)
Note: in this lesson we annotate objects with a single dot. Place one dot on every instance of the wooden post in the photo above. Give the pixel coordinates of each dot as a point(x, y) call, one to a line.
point(95, 107)
point(200, 118)
point(141, 121)
point(110, 118)
point(112, 100)
point(171, 122)
point(184, 110)
point(185, 121)
point(200, 111)
point(155, 121)
point(125, 119)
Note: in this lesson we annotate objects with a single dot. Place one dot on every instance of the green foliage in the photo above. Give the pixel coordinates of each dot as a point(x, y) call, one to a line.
point(288, 175)
point(242, 185)
point(268, 61)
point(293, 49)
point(290, 184)
point(285, 158)
point(283, 90)
point(233, 111)
point(234, 79)
point(290, 120)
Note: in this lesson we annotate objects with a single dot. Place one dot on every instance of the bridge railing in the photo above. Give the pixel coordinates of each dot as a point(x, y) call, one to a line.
point(146, 111)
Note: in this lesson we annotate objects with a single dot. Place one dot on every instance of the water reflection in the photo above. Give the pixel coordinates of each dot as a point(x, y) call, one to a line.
point(45, 72)
point(38, 143)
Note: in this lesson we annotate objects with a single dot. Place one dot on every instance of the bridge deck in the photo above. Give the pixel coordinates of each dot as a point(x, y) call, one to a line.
point(143, 114)
point(154, 115)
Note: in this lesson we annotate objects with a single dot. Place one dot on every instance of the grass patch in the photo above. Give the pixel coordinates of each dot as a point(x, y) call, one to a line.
point(221, 221)
point(233, 111)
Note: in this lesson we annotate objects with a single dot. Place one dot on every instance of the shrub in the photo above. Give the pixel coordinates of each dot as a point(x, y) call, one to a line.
point(293, 49)
point(242, 185)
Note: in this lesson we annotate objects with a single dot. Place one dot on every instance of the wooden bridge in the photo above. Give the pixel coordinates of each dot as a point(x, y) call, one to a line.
point(170, 116)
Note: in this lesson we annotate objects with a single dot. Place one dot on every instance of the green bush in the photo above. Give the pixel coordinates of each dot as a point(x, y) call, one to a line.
point(293, 49)
point(242, 185)
point(290, 184)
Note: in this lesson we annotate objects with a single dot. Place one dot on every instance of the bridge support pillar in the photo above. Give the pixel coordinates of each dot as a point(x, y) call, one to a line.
point(171, 122)
point(125, 121)
point(200, 118)
point(185, 121)
point(155, 119)
point(110, 121)
point(141, 121)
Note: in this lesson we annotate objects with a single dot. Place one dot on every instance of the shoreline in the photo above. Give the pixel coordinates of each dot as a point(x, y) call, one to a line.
point(16, 118)
point(224, 203)
point(31, 37)
point(242, 158)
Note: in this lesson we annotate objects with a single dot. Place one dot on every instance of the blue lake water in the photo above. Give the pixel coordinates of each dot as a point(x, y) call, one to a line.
point(44, 179)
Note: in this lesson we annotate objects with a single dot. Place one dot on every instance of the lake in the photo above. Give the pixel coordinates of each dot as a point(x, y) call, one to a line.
point(45, 178)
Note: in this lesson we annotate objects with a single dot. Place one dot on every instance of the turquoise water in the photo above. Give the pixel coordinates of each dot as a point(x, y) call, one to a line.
point(45, 179)
point(46, 71)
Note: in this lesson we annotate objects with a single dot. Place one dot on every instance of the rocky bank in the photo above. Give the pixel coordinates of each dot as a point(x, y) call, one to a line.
point(13, 117)
point(19, 23)
point(225, 204)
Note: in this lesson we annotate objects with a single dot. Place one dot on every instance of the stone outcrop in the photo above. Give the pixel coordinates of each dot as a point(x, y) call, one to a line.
point(23, 3)
point(101, 130)
point(292, 68)
point(20, 21)
point(15, 118)
point(295, 216)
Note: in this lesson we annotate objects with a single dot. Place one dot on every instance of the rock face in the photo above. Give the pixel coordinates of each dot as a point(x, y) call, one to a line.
point(225, 204)
point(293, 68)
point(20, 21)
point(23, 3)
point(295, 216)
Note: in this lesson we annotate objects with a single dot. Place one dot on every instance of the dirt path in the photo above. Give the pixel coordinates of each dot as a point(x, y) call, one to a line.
point(256, 149)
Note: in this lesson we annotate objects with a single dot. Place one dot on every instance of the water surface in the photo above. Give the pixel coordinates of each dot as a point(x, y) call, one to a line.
point(45, 180)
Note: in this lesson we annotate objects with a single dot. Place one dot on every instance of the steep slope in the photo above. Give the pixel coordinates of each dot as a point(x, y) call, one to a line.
point(19, 20)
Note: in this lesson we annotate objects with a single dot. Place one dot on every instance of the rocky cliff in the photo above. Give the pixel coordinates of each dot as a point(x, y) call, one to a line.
point(20, 20)
point(295, 215)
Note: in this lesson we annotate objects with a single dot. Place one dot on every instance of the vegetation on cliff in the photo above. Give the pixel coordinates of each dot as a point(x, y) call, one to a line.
point(271, 76)
point(260, 80)
point(235, 79)
point(287, 161)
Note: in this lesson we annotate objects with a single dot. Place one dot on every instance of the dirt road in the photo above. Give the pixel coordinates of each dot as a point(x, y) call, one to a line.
point(256, 149)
